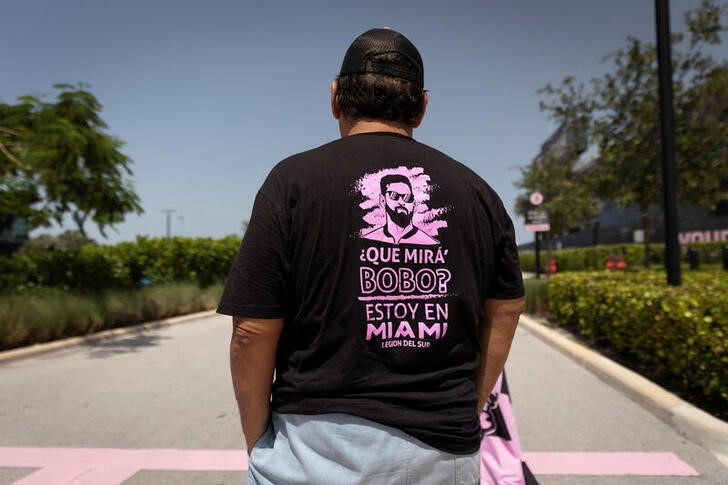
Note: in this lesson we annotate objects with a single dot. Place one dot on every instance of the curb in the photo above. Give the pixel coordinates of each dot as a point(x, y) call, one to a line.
point(693, 423)
point(37, 349)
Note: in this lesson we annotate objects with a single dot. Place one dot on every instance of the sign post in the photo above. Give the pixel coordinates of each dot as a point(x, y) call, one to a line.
point(537, 221)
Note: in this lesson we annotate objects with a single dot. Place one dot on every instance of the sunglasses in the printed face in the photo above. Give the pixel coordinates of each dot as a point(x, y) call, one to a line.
point(395, 196)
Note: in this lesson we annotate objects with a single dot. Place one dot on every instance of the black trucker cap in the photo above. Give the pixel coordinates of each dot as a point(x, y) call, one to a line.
point(383, 41)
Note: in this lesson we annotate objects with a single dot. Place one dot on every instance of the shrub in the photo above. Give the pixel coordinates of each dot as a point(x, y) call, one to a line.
point(528, 260)
point(92, 267)
point(677, 336)
point(593, 258)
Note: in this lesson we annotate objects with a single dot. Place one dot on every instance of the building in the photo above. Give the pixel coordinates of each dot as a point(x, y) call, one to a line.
point(13, 233)
point(617, 225)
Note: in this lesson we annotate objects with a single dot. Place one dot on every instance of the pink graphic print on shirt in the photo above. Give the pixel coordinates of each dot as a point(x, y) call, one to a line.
point(396, 205)
point(404, 282)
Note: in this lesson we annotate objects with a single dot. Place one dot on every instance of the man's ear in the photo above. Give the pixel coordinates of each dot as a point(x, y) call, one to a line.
point(335, 108)
point(382, 202)
point(425, 99)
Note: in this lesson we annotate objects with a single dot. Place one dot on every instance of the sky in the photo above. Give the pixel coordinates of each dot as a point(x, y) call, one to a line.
point(209, 96)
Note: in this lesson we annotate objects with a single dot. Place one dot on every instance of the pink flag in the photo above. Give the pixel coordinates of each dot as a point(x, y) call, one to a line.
point(501, 460)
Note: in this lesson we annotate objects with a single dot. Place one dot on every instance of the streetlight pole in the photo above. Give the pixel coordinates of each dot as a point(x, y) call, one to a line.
point(169, 220)
point(667, 135)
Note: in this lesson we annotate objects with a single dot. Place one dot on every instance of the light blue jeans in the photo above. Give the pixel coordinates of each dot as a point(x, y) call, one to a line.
point(340, 449)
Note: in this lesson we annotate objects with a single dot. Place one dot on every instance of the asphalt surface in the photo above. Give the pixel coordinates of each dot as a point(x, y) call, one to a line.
point(562, 407)
point(169, 388)
point(166, 388)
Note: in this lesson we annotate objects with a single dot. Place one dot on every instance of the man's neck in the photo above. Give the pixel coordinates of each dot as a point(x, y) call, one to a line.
point(347, 128)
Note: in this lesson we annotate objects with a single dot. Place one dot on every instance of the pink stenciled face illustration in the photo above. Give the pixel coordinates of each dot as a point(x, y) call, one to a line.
point(401, 196)
point(399, 203)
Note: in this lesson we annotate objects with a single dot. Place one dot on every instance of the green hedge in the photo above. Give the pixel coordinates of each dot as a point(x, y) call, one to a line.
point(593, 258)
point(203, 261)
point(677, 336)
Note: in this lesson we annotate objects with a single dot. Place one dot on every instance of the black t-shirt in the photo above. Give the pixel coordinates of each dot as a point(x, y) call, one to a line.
point(378, 252)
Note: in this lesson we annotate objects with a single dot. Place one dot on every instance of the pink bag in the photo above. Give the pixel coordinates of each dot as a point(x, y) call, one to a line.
point(500, 450)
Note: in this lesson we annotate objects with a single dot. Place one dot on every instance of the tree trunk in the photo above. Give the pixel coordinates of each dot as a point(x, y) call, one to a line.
point(80, 220)
point(644, 214)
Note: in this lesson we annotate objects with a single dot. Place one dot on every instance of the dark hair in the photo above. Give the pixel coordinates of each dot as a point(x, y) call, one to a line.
point(393, 179)
point(379, 96)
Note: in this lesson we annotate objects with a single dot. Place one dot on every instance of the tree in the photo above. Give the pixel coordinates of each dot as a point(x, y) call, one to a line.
point(56, 159)
point(568, 198)
point(621, 115)
point(66, 241)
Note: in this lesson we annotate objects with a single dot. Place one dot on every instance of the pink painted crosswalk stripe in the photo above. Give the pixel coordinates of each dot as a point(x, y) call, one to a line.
point(619, 463)
point(108, 466)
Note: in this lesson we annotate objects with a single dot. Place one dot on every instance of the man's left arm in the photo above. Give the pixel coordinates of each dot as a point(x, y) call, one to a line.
point(252, 363)
point(502, 308)
point(497, 328)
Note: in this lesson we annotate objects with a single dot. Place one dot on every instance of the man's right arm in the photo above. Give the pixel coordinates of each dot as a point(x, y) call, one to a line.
point(496, 329)
point(252, 362)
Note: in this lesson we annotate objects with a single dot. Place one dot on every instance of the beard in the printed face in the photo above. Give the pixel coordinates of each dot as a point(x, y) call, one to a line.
point(400, 216)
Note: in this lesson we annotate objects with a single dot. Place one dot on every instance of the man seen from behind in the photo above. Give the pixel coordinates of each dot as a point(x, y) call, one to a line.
point(379, 279)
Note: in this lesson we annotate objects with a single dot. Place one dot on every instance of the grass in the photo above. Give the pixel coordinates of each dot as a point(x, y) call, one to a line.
point(44, 314)
point(537, 296)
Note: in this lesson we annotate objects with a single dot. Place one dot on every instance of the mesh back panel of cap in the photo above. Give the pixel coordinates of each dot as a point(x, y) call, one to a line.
point(358, 57)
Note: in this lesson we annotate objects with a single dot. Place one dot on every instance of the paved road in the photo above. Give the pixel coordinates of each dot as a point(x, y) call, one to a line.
point(561, 407)
point(79, 414)
point(168, 388)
